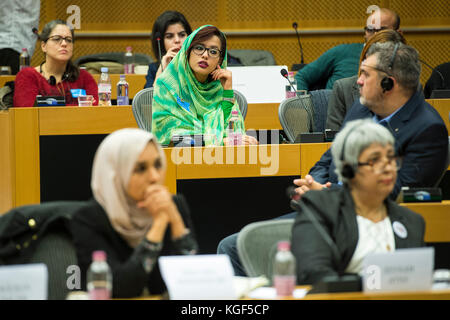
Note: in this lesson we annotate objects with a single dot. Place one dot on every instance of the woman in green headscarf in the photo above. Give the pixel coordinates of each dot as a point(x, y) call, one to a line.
point(194, 94)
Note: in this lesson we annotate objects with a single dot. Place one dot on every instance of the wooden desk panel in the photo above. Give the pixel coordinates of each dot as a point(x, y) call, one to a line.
point(443, 107)
point(437, 218)
point(414, 295)
point(262, 116)
point(84, 120)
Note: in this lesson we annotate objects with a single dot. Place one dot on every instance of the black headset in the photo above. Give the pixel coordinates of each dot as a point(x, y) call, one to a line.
point(52, 80)
point(347, 170)
point(387, 83)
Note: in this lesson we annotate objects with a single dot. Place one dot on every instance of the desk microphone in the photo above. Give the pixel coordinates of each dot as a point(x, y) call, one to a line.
point(437, 71)
point(302, 63)
point(158, 38)
point(36, 32)
point(345, 283)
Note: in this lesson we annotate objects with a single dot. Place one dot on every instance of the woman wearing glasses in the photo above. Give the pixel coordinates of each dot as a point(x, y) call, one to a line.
point(359, 218)
point(57, 75)
point(194, 95)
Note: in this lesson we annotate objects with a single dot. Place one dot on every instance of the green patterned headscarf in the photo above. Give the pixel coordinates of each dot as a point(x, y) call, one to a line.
point(183, 105)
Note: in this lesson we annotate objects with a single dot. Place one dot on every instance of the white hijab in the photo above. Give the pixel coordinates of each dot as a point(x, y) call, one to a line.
point(113, 165)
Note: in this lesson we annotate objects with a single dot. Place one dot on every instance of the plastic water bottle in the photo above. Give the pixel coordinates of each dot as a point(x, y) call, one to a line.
point(24, 59)
point(104, 88)
point(122, 92)
point(284, 271)
point(291, 91)
point(235, 130)
point(99, 277)
point(128, 61)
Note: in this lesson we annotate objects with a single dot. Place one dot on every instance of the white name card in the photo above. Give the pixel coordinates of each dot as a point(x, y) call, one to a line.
point(401, 270)
point(24, 282)
point(260, 84)
point(198, 277)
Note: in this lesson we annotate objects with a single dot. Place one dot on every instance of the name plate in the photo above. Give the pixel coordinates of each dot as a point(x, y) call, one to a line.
point(198, 277)
point(24, 282)
point(401, 270)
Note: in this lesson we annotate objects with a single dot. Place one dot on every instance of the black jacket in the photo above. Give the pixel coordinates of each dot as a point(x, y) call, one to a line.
point(22, 228)
point(91, 230)
point(334, 209)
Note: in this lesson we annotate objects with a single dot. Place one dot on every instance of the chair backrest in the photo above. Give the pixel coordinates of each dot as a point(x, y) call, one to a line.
point(320, 103)
point(250, 57)
point(142, 108)
point(296, 116)
point(242, 101)
point(57, 251)
point(257, 245)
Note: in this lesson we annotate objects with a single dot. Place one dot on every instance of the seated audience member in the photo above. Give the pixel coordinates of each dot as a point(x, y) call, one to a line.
point(389, 80)
point(57, 75)
point(435, 82)
point(388, 95)
point(194, 95)
point(359, 217)
point(342, 61)
point(131, 214)
point(173, 29)
point(346, 91)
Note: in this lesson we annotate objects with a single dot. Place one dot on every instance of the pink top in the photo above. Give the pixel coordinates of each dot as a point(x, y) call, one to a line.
point(29, 83)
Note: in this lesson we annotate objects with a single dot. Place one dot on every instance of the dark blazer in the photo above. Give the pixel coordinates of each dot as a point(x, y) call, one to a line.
point(334, 209)
point(345, 93)
point(92, 230)
point(421, 138)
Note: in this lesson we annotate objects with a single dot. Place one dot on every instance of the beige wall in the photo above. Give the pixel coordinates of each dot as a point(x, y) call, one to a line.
point(265, 24)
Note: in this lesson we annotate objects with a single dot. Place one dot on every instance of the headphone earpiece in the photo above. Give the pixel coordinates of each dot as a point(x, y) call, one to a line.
point(347, 171)
point(387, 84)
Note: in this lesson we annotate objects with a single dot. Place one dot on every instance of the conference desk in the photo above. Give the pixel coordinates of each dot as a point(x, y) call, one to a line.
point(405, 295)
point(22, 131)
point(259, 115)
point(22, 128)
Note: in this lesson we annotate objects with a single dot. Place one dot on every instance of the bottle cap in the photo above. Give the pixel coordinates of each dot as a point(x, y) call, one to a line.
point(284, 245)
point(129, 48)
point(24, 49)
point(234, 113)
point(99, 255)
point(104, 69)
point(122, 76)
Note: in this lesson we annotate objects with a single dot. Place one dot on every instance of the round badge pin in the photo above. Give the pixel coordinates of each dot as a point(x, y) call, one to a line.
point(400, 229)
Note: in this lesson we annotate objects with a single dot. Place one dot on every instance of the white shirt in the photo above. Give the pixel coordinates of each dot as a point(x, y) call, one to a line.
point(17, 18)
point(374, 237)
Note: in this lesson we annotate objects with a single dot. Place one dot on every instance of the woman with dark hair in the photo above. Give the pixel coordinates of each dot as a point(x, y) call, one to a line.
point(57, 75)
point(173, 29)
point(194, 95)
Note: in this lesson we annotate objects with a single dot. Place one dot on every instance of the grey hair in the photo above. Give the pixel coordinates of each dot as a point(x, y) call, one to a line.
point(406, 67)
point(357, 135)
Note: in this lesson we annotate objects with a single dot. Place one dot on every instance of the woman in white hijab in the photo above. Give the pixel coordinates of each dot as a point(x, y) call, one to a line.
point(130, 214)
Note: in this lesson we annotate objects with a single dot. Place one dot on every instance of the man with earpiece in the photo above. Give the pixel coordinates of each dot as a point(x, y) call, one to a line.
point(388, 95)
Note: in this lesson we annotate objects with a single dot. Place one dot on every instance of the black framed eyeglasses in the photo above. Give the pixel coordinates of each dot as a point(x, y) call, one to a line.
point(374, 30)
point(212, 52)
point(379, 164)
point(59, 39)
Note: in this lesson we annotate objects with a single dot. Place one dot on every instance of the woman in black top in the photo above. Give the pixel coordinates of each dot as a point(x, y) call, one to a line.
point(131, 214)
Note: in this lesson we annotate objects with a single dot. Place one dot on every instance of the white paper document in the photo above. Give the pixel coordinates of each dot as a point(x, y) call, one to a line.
point(260, 84)
point(24, 282)
point(198, 277)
